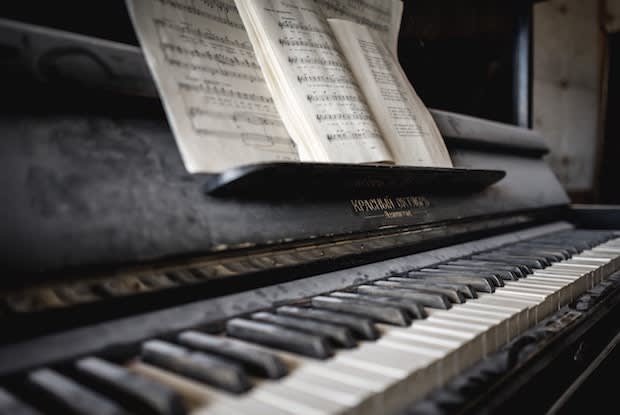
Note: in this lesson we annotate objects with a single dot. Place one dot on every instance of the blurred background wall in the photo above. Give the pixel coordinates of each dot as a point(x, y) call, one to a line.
point(575, 93)
point(552, 65)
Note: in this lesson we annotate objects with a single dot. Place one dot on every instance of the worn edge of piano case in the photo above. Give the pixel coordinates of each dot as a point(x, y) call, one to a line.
point(533, 370)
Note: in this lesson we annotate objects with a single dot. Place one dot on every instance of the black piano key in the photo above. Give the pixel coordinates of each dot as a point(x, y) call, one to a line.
point(506, 275)
point(454, 295)
point(564, 248)
point(10, 405)
point(415, 309)
point(571, 243)
point(481, 284)
point(467, 291)
point(339, 335)
point(385, 314)
point(552, 255)
point(364, 328)
point(543, 258)
point(558, 252)
point(69, 395)
point(518, 272)
point(279, 337)
point(520, 249)
point(495, 280)
point(260, 361)
point(200, 366)
point(139, 394)
point(511, 259)
point(429, 300)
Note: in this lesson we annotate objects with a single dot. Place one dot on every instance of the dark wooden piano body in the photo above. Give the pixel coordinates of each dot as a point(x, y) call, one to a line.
point(95, 190)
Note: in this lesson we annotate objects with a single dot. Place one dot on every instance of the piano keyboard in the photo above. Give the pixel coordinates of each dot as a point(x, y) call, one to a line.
point(369, 348)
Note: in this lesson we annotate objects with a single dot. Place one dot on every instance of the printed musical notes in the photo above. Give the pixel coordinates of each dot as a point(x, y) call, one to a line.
point(295, 44)
point(404, 121)
point(248, 81)
point(211, 85)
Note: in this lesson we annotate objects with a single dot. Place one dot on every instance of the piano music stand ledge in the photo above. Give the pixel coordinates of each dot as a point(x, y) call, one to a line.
point(329, 180)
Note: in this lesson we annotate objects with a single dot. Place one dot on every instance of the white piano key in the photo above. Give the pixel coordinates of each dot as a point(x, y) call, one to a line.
point(352, 375)
point(578, 282)
point(532, 282)
point(610, 250)
point(241, 406)
point(588, 270)
point(530, 287)
point(510, 317)
point(362, 399)
point(525, 312)
point(444, 344)
point(446, 359)
point(562, 270)
point(590, 258)
point(344, 374)
point(359, 385)
point(555, 280)
point(192, 392)
point(417, 373)
point(466, 353)
point(537, 306)
point(575, 264)
point(499, 324)
point(489, 336)
point(318, 389)
point(286, 398)
point(597, 253)
point(379, 359)
point(386, 386)
point(548, 300)
point(564, 287)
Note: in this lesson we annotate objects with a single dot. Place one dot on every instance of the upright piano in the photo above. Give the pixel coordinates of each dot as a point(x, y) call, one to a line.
point(131, 286)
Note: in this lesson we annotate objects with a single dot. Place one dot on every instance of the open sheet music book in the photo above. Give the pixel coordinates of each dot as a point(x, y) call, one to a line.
point(251, 81)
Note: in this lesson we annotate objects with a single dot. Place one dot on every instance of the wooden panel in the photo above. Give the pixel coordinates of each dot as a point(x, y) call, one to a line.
point(568, 62)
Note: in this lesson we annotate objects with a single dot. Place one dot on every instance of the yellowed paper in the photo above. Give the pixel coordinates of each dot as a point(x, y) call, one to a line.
point(216, 99)
point(311, 83)
point(404, 121)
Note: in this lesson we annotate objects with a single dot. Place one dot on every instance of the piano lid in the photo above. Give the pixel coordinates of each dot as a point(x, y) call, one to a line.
point(95, 178)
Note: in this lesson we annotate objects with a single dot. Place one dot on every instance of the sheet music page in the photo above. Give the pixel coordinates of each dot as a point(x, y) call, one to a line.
point(383, 16)
point(313, 88)
point(405, 123)
point(211, 85)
